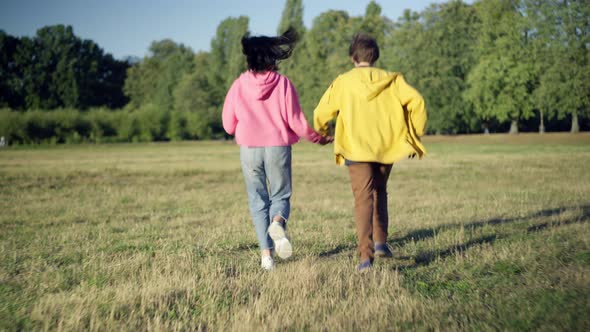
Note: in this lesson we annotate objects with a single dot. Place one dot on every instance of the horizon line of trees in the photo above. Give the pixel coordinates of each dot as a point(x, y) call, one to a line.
point(490, 66)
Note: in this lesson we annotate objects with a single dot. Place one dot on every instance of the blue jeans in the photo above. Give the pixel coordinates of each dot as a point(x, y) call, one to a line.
point(259, 165)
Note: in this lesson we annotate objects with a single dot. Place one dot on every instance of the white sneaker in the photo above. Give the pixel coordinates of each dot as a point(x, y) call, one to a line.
point(267, 263)
point(277, 233)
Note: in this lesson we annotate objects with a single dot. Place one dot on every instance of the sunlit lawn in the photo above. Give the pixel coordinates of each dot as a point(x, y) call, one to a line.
point(489, 233)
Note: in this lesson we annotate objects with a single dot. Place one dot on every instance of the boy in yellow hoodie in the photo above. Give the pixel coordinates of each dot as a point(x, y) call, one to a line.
point(380, 119)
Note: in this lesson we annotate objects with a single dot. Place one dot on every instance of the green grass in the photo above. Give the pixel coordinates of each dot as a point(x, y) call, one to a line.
point(488, 235)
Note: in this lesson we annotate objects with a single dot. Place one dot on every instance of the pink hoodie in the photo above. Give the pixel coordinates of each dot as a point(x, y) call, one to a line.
point(263, 110)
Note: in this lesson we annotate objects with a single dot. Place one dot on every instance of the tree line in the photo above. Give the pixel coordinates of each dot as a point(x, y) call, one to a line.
point(489, 66)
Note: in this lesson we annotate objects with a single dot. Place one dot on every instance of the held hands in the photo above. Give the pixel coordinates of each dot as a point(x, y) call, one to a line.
point(326, 140)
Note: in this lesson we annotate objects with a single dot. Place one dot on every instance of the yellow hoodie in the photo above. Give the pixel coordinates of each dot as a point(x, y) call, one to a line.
point(379, 116)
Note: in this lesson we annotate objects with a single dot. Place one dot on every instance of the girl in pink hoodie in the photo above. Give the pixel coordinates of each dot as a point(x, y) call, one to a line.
point(262, 111)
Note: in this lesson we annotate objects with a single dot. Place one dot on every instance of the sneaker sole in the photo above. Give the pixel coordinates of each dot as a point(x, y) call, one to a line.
point(283, 247)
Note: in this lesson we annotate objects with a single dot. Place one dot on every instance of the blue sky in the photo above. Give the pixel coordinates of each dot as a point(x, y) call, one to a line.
point(127, 27)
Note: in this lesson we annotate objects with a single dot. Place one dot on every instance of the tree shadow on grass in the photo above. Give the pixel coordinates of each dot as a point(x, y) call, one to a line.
point(423, 234)
point(247, 246)
point(339, 249)
point(425, 258)
point(579, 219)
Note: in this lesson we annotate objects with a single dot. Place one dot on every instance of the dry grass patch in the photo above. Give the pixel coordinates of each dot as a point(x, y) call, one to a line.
point(487, 236)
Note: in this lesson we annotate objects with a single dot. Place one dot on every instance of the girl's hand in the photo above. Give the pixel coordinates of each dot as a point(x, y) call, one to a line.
point(326, 140)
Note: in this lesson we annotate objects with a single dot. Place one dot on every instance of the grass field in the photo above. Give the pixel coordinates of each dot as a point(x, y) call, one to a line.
point(490, 233)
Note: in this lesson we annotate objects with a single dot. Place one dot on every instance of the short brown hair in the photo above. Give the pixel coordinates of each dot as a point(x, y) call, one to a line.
point(364, 48)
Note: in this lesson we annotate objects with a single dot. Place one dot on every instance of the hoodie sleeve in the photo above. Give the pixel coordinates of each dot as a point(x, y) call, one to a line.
point(414, 103)
point(296, 118)
point(326, 110)
point(228, 115)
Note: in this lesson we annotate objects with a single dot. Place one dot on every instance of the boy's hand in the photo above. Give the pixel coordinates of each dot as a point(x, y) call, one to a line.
point(326, 140)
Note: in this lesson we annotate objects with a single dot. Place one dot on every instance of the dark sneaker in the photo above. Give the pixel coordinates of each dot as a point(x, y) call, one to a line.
point(277, 233)
point(382, 250)
point(365, 266)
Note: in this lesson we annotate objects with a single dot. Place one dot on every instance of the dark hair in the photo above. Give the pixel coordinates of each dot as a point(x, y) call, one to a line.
point(364, 48)
point(263, 53)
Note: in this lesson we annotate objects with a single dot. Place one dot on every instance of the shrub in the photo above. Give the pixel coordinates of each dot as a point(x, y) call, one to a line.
point(99, 125)
point(12, 126)
point(128, 128)
point(103, 125)
point(153, 122)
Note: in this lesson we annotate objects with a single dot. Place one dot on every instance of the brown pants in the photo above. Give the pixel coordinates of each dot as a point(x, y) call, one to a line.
point(369, 187)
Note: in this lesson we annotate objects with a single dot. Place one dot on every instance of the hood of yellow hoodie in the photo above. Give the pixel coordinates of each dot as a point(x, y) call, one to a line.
point(374, 80)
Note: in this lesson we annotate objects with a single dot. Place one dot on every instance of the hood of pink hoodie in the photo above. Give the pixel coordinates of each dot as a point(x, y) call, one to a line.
point(260, 85)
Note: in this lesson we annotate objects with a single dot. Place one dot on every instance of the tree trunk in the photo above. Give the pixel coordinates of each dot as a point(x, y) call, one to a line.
point(513, 127)
point(575, 124)
point(542, 124)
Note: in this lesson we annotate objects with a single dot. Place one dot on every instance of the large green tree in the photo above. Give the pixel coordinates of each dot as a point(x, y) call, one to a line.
point(105, 88)
point(501, 85)
point(294, 67)
point(55, 68)
point(443, 69)
point(374, 23)
point(564, 28)
point(153, 80)
point(48, 73)
point(326, 53)
point(227, 59)
point(292, 16)
point(195, 108)
point(541, 15)
point(10, 77)
point(405, 50)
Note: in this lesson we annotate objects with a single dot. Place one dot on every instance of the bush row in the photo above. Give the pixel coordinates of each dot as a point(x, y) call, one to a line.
point(103, 125)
